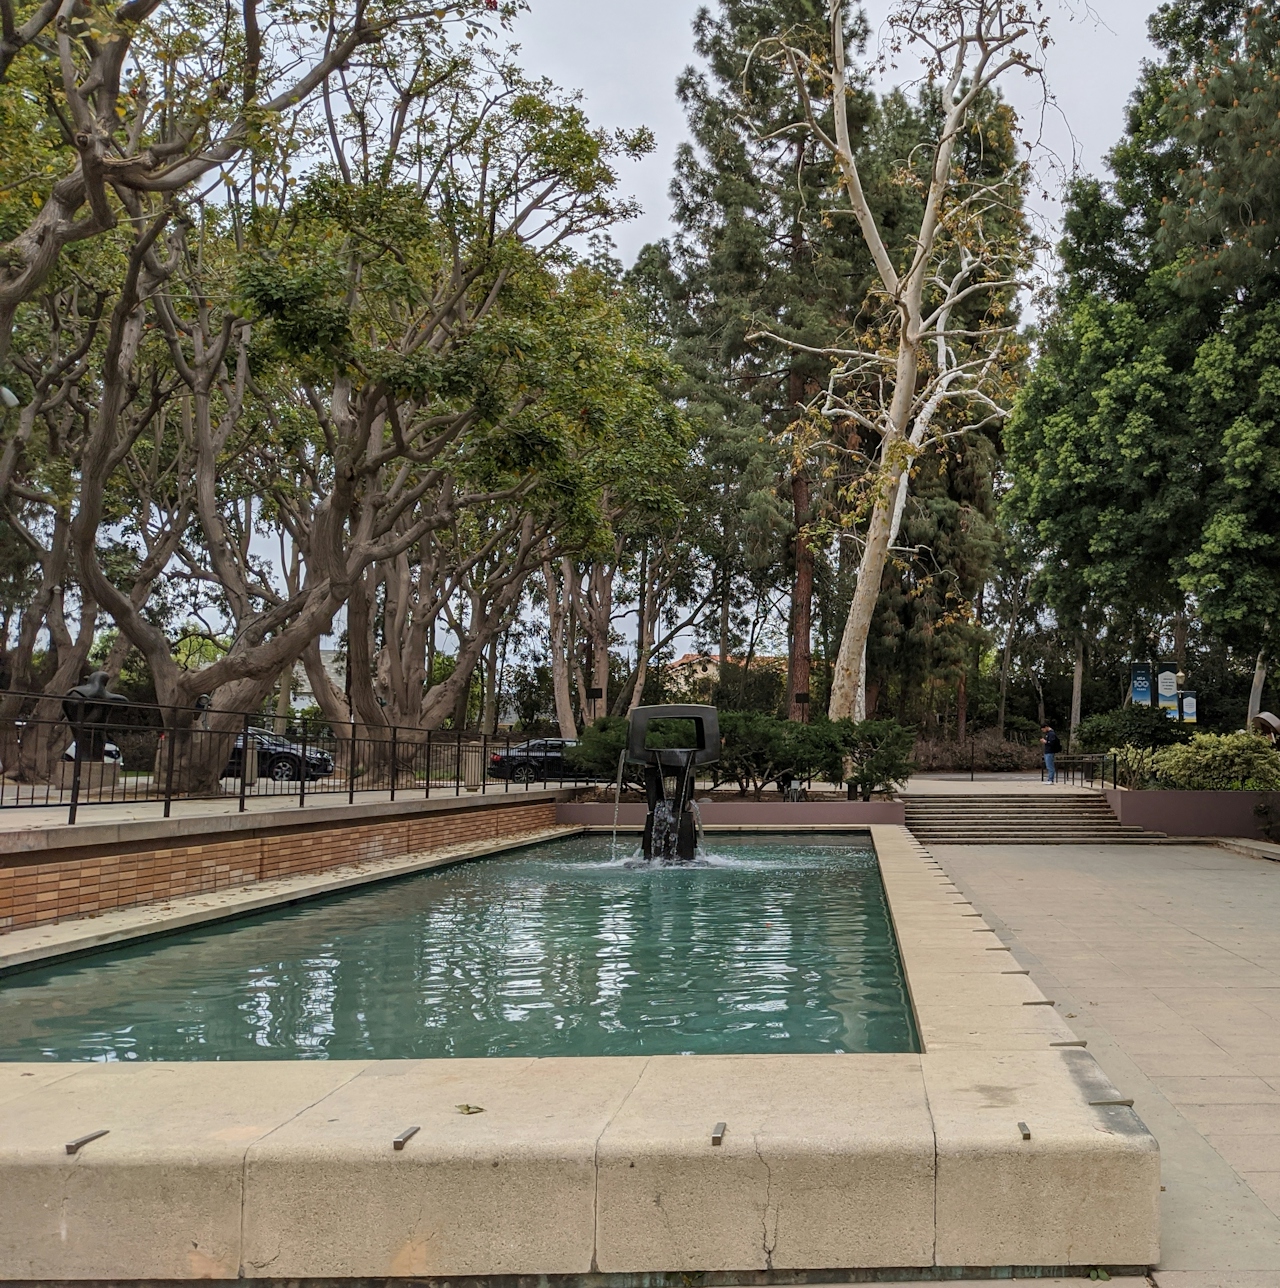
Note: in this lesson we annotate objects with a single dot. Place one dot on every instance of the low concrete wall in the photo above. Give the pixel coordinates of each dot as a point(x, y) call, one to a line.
point(57, 873)
point(1193, 813)
point(745, 814)
point(288, 1171)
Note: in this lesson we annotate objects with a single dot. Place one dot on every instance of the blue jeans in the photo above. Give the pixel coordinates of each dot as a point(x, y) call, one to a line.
point(1051, 773)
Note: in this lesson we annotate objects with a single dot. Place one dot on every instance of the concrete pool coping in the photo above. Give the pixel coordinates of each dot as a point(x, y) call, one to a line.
point(606, 1166)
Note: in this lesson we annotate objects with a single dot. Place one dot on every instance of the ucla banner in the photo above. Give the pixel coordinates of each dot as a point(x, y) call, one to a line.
point(1188, 706)
point(1167, 688)
point(1140, 684)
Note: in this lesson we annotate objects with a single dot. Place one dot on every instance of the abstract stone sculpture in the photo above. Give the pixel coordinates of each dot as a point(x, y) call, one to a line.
point(670, 834)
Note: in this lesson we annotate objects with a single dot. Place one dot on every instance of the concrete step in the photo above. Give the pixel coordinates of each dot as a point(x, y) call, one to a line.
point(1027, 831)
point(1008, 819)
point(1149, 838)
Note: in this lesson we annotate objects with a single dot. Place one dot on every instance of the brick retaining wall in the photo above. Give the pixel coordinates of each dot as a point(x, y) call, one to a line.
point(92, 879)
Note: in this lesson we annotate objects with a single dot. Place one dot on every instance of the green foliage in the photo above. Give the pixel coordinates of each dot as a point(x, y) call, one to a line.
point(878, 755)
point(1220, 762)
point(1130, 726)
point(602, 742)
point(600, 746)
point(756, 750)
point(1133, 767)
point(533, 694)
point(874, 756)
point(304, 306)
point(1144, 448)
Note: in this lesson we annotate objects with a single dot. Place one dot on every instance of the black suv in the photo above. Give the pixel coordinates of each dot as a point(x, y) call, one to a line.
point(538, 761)
point(278, 758)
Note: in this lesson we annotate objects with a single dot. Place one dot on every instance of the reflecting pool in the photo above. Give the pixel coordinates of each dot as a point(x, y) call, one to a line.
point(565, 948)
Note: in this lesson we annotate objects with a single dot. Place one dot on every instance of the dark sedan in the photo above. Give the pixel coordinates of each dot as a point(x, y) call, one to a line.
point(538, 761)
point(279, 759)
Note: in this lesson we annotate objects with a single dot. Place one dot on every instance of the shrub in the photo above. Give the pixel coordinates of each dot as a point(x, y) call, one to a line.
point(1134, 766)
point(601, 744)
point(1129, 727)
point(987, 751)
point(757, 750)
point(1220, 762)
point(600, 747)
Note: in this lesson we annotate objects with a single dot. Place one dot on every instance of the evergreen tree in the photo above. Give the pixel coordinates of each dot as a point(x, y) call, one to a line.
point(1145, 446)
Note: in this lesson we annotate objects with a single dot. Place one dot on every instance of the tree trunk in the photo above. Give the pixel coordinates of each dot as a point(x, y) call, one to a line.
point(284, 700)
point(962, 704)
point(601, 618)
point(648, 614)
point(559, 657)
point(1180, 625)
point(1077, 685)
point(848, 682)
point(801, 659)
point(1255, 689)
point(1008, 656)
point(489, 720)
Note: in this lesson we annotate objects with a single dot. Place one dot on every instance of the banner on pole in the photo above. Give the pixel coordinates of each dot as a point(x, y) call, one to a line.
point(1189, 706)
point(1167, 688)
point(1140, 684)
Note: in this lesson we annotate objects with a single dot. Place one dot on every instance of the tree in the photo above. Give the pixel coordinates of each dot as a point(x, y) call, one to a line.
point(962, 259)
point(1143, 445)
point(144, 103)
point(756, 249)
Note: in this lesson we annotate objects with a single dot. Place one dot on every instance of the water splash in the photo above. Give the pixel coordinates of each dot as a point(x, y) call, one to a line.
point(617, 800)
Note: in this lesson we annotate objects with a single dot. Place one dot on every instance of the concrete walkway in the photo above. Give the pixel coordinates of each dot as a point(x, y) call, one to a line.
point(959, 783)
point(1166, 959)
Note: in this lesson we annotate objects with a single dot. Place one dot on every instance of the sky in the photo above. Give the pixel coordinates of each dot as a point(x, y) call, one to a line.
point(624, 57)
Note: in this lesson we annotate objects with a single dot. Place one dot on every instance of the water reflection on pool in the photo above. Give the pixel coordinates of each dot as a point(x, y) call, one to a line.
point(766, 945)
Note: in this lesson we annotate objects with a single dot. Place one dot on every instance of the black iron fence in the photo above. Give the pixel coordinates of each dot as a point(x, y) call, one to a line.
point(84, 755)
point(1098, 770)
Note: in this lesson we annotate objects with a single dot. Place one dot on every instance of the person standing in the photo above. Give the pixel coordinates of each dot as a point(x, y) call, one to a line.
point(1052, 744)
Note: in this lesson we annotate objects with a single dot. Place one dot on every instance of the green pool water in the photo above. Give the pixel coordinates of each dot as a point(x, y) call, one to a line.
point(557, 949)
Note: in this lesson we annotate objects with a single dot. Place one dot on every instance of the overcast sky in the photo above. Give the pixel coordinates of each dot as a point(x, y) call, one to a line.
point(625, 55)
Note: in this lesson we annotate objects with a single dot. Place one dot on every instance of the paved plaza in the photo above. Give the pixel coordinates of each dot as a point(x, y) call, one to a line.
point(1166, 958)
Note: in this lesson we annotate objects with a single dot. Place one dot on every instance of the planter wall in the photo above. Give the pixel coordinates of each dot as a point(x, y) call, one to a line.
point(746, 813)
point(1192, 813)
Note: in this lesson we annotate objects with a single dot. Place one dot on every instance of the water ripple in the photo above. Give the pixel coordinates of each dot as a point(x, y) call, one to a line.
point(555, 950)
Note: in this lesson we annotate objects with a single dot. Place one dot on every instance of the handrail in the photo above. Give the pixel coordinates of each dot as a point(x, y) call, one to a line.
point(1086, 769)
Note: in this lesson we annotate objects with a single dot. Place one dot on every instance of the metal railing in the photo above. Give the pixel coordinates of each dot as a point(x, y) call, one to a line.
point(146, 753)
point(1097, 770)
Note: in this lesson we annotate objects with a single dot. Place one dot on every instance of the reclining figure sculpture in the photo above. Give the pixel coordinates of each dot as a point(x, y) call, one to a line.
point(669, 832)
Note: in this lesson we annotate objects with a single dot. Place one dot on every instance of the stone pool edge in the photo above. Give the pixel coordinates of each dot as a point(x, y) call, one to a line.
point(594, 1167)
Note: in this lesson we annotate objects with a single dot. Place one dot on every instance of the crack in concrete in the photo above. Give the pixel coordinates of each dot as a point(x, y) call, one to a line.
point(595, 1156)
point(766, 1246)
point(244, 1162)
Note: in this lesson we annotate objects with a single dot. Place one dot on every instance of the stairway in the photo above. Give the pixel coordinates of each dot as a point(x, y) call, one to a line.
point(1031, 819)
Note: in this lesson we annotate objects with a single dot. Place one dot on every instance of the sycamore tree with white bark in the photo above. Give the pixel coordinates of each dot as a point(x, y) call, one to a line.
point(933, 361)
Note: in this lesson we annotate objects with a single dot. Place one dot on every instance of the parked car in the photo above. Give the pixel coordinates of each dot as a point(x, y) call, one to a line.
point(111, 754)
point(278, 758)
point(537, 761)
